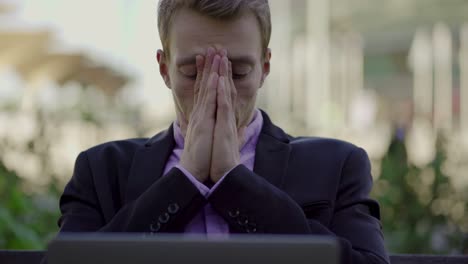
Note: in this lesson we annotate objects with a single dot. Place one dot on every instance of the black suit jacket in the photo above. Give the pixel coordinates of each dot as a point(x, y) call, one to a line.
point(298, 186)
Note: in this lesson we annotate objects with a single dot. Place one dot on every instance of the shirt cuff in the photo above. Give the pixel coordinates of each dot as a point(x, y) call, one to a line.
point(205, 191)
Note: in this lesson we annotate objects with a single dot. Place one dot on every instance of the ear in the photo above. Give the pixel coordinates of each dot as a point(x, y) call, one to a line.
point(266, 66)
point(163, 67)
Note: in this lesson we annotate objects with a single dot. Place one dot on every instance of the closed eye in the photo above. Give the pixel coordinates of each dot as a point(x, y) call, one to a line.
point(240, 70)
point(191, 76)
point(189, 71)
point(239, 76)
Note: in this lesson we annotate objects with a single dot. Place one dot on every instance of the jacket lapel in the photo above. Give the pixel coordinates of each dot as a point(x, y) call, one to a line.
point(148, 163)
point(272, 153)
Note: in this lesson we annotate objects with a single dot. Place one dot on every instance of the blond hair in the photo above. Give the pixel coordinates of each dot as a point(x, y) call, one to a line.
point(218, 9)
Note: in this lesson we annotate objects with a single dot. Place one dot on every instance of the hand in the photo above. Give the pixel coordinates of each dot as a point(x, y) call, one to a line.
point(226, 140)
point(196, 157)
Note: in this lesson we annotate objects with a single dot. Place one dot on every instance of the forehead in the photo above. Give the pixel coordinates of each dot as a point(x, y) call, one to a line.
point(192, 33)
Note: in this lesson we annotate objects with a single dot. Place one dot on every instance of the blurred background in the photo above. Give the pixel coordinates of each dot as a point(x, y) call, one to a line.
point(388, 75)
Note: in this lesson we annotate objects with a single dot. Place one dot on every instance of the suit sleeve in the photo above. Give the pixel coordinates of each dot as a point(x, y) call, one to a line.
point(166, 206)
point(250, 204)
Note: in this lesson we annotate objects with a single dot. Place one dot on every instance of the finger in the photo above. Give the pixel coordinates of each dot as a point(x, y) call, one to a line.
point(232, 106)
point(224, 71)
point(206, 72)
point(223, 53)
point(225, 115)
point(210, 53)
point(211, 86)
point(233, 91)
point(233, 94)
point(224, 67)
point(216, 63)
point(227, 92)
point(222, 103)
point(199, 63)
point(210, 99)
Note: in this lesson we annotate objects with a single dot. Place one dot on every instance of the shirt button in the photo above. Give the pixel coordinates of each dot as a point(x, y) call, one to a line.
point(173, 208)
point(164, 218)
point(251, 228)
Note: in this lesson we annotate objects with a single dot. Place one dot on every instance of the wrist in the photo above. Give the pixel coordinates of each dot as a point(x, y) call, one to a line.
point(219, 174)
point(197, 174)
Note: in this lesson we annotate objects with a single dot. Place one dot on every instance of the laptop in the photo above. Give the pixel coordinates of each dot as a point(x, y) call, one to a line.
point(177, 249)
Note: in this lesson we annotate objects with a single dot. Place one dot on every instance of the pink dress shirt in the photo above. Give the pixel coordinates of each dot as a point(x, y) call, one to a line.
point(207, 221)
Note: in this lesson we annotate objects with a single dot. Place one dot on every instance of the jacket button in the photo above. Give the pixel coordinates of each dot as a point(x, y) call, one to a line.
point(154, 227)
point(164, 218)
point(242, 220)
point(251, 228)
point(234, 213)
point(173, 208)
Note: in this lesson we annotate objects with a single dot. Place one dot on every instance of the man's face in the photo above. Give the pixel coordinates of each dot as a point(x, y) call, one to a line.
point(191, 34)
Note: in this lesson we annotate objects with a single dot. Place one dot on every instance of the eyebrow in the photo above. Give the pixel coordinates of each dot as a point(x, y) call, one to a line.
point(190, 60)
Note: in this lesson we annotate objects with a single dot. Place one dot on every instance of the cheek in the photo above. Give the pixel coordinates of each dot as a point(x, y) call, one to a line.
point(182, 87)
point(246, 91)
point(183, 94)
point(248, 87)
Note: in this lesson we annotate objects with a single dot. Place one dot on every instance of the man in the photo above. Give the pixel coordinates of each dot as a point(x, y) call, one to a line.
point(223, 167)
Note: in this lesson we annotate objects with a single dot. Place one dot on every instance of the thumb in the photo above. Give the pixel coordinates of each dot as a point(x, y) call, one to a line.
point(199, 60)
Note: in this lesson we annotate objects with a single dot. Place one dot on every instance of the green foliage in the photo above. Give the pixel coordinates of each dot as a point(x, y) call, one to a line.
point(408, 196)
point(27, 221)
